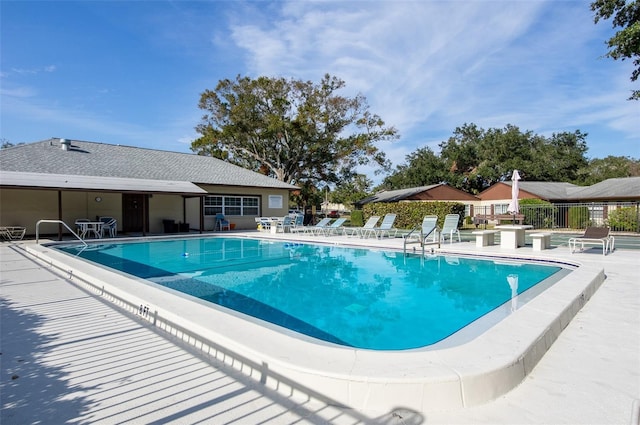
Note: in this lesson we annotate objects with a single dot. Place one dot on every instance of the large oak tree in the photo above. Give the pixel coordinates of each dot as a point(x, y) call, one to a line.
point(625, 44)
point(473, 159)
point(297, 131)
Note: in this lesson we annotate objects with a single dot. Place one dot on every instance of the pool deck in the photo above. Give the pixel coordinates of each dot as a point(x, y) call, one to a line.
point(71, 356)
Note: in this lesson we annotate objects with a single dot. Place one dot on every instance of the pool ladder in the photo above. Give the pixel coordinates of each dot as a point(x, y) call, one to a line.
point(422, 240)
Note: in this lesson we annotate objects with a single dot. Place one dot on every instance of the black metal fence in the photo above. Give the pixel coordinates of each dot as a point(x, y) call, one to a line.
point(619, 216)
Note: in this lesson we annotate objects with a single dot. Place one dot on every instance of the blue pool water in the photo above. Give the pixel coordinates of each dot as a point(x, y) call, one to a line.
point(361, 298)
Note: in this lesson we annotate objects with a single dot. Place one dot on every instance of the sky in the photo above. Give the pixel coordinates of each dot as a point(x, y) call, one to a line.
point(132, 72)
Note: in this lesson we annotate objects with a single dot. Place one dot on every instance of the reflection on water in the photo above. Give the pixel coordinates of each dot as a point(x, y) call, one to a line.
point(357, 297)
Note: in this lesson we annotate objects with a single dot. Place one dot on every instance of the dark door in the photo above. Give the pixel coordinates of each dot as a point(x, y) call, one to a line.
point(135, 215)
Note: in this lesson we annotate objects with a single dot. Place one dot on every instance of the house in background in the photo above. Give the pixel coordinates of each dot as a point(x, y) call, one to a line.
point(435, 192)
point(142, 188)
point(599, 200)
point(496, 198)
point(611, 191)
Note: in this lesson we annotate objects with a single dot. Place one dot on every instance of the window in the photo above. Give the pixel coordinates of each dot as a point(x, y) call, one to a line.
point(232, 205)
point(500, 208)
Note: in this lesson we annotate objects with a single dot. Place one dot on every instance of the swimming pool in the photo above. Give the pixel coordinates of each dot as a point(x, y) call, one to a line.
point(361, 298)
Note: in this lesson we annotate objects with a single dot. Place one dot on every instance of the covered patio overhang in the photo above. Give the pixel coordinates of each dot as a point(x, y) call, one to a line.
point(72, 182)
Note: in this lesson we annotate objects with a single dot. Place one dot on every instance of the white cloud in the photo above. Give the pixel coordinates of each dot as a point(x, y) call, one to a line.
point(428, 67)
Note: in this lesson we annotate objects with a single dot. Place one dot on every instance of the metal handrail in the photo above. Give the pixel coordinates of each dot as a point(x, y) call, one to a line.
point(422, 238)
point(59, 222)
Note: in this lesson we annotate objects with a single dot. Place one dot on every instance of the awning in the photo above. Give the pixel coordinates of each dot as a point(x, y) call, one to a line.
point(95, 183)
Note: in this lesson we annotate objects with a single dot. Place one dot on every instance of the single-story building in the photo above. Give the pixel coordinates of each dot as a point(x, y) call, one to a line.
point(436, 192)
point(599, 199)
point(144, 189)
point(495, 199)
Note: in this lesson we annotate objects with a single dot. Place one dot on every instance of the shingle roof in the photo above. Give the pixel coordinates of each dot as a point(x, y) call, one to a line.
point(76, 182)
point(621, 189)
point(618, 189)
point(395, 195)
point(550, 191)
point(106, 160)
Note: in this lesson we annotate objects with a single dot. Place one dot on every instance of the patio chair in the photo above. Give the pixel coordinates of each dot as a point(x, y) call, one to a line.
point(284, 225)
point(593, 236)
point(110, 226)
point(385, 227)
point(333, 228)
point(263, 223)
point(370, 224)
point(297, 222)
point(221, 223)
point(450, 227)
point(82, 226)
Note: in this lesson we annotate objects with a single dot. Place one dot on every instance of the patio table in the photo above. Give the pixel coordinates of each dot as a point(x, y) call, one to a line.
point(90, 227)
point(512, 235)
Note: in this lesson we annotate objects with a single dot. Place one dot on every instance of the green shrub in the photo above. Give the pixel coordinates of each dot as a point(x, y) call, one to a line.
point(624, 219)
point(538, 213)
point(410, 214)
point(357, 218)
point(578, 217)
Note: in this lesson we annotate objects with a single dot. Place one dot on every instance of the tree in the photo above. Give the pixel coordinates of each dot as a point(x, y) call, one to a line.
point(5, 143)
point(423, 168)
point(296, 131)
point(351, 191)
point(600, 169)
point(473, 159)
point(625, 44)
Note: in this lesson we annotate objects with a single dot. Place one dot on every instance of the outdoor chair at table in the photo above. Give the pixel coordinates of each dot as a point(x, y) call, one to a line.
point(284, 225)
point(109, 226)
point(221, 223)
point(297, 222)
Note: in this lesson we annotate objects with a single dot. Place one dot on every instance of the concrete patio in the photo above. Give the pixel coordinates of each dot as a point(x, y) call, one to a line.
point(69, 356)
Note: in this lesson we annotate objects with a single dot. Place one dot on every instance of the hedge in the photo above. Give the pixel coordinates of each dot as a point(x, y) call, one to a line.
point(410, 214)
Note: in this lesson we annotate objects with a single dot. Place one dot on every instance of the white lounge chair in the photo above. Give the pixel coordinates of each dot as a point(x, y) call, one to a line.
point(12, 233)
point(385, 227)
point(593, 236)
point(333, 228)
point(370, 224)
point(318, 226)
point(429, 229)
point(450, 227)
